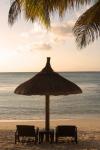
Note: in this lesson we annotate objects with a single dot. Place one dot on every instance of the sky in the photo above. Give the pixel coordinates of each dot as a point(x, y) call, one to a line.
point(24, 47)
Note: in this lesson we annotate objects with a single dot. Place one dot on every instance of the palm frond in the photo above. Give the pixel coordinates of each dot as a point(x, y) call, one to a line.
point(37, 9)
point(87, 27)
point(63, 5)
point(14, 11)
point(41, 9)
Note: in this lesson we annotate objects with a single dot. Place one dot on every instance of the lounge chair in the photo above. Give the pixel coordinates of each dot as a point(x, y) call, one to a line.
point(26, 131)
point(66, 131)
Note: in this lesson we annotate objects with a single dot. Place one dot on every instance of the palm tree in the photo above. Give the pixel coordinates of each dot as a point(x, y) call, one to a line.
point(86, 29)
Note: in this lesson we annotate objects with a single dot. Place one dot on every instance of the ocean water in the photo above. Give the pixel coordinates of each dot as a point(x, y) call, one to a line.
point(85, 105)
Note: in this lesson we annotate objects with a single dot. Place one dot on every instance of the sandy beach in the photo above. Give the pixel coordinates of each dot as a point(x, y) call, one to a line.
point(88, 135)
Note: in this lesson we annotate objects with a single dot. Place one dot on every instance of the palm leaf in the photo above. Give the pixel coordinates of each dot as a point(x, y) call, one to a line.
point(14, 11)
point(37, 9)
point(87, 27)
point(41, 9)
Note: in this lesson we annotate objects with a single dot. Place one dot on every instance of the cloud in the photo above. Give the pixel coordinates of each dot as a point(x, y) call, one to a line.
point(42, 46)
point(43, 40)
point(60, 33)
point(62, 30)
point(35, 31)
point(59, 40)
point(33, 46)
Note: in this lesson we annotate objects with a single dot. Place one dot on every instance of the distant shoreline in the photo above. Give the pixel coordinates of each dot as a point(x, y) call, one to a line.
point(58, 71)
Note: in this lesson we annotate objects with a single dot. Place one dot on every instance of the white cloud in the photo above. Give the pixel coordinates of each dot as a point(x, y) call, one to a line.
point(62, 30)
point(42, 46)
point(33, 46)
point(59, 40)
point(41, 39)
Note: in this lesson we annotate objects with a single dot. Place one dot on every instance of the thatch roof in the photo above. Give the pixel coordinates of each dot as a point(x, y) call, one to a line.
point(48, 82)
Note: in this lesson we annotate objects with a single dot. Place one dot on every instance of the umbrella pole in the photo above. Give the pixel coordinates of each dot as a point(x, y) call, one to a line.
point(47, 125)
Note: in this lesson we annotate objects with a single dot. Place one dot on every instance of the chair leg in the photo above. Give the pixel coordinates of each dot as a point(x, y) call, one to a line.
point(56, 139)
point(52, 138)
point(36, 140)
point(17, 139)
point(76, 139)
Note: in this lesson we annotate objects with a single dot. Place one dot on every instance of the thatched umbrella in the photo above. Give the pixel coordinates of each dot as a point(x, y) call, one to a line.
point(47, 82)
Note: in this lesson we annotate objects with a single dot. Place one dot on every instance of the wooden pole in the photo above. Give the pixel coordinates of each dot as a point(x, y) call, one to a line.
point(47, 117)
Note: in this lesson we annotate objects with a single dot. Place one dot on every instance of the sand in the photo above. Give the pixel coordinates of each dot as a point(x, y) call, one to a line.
point(88, 135)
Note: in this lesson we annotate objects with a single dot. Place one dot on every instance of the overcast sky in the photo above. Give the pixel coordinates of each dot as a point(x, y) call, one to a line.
point(25, 46)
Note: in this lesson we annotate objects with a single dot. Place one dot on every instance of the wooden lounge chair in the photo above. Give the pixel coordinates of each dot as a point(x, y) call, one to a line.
point(26, 131)
point(66, 131)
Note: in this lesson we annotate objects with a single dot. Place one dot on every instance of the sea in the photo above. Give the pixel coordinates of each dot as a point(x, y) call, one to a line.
point(21, 107)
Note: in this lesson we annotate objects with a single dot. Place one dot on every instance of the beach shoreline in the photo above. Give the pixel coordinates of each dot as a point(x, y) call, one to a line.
point(88, 134)
point(84, 124)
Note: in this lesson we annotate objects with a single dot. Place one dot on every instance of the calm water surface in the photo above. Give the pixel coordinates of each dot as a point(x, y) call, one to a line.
point(83, 105)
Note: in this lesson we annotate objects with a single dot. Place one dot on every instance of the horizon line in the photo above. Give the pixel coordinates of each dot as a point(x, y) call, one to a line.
point(40, 70)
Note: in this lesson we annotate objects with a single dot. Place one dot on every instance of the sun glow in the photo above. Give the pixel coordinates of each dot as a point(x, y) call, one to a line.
point(4, 55)
point(25, 46)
